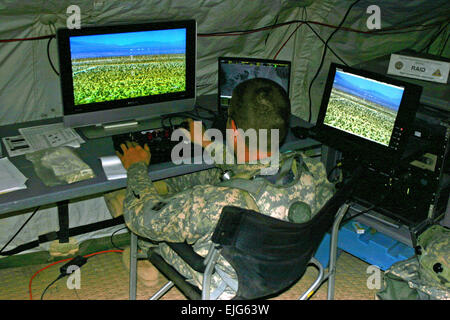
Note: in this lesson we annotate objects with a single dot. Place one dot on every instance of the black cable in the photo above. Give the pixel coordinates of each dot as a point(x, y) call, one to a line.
point(51, 283)
point(358, 214)
point(338, 165)
point(323, 56)
point(48, 56)
point(269, 27)
point(213, 113)
point(372, 207)
point(18, 231)
point(112, 235)
point(318, 36)
point(268, 35)
point(323, 41)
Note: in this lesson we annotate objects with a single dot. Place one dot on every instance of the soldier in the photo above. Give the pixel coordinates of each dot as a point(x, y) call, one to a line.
point(192, 204)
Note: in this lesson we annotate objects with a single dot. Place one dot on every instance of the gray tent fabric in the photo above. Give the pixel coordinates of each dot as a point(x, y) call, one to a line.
point(30, 90)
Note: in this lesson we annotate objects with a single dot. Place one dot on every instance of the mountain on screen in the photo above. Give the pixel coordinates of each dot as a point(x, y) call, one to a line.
point(80, 49)
point(378, 93)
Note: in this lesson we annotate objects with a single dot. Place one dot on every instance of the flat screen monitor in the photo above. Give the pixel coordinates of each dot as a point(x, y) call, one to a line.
point(233, 70)
point(126, 73)
point(367, 114)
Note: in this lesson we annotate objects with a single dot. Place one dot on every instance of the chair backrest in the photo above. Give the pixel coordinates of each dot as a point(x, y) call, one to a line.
point(269, 254)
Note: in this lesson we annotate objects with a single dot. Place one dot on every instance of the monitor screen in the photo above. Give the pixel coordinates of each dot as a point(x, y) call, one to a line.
point(366, 114)
point(127, 72)
point(127, 65)
point(363, 107)
point(233, 71)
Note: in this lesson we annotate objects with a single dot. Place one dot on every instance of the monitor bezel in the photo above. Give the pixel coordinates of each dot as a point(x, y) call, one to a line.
point(253, 60)
point(360, 147)
point(83, 111)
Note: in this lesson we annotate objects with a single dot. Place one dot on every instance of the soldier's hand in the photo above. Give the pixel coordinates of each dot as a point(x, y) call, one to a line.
point(133, 153)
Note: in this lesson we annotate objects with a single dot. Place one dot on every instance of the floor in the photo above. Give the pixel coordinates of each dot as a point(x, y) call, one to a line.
point(104, 277)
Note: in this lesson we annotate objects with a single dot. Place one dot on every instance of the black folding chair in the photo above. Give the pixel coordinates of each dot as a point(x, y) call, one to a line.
point(269, 255)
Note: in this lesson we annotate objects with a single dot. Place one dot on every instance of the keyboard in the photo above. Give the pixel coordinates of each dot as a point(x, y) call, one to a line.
point(157, 139)
point(220, 123)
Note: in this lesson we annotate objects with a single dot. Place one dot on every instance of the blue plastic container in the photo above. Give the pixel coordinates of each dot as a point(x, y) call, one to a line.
point(367, 244)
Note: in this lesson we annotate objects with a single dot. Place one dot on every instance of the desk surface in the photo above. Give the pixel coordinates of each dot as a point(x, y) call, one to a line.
point(38, 194)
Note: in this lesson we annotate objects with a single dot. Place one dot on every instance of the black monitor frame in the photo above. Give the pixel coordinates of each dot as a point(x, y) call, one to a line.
point(360, 147)
point(250, 60)
point(133, 108)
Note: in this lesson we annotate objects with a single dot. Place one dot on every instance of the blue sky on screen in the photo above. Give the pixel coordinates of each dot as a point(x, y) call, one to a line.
point(129, 43)
point(384, 94)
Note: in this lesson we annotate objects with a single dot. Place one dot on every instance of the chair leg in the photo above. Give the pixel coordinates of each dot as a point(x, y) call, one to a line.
point(333, 249)
point(212, 257)
point(162, 291)
point(133, 266)
point(311, 290)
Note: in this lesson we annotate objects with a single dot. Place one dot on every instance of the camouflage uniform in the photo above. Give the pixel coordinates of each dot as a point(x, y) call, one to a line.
point(425, 276)
point(191, 209)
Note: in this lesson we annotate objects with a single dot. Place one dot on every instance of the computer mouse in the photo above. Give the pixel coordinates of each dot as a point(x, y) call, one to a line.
point(300, 132)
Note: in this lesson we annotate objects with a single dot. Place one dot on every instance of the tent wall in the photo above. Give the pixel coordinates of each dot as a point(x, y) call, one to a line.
point(29, 89)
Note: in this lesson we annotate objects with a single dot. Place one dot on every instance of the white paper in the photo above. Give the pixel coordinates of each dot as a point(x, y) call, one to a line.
point(11, 178)
point(113, 168)
point(16, 146)
point(51, 135)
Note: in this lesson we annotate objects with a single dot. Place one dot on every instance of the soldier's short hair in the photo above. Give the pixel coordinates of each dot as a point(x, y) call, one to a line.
point(261, 103)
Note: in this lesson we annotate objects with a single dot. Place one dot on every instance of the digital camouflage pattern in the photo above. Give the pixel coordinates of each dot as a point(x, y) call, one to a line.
point(435, 255)
point(193, 203)
point(425, 276)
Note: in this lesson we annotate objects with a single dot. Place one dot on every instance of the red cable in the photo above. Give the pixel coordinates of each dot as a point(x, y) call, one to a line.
point(27, 39)
point(287, 41)
point(86, 256)
point(239, 33)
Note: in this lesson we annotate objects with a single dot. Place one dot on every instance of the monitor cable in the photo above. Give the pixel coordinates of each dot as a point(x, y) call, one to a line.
point(15, 235)
point(48, 56)
point(323, 57)
point(112, 236)
point(78, 261)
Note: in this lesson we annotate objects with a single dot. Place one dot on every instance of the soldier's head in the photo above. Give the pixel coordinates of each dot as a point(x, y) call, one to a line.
point(260, 104)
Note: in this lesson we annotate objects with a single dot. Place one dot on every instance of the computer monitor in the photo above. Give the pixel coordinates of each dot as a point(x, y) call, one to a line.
point(233, 70)
point(365, 114)
point(116, 78)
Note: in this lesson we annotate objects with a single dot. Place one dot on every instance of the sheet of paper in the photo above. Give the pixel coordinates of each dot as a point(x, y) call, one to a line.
point(51, 135)
point(16, 146)
point(11, 178)
point(113, 168)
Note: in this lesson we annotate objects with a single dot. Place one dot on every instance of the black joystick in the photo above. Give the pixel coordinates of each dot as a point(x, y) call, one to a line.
point(300, 132)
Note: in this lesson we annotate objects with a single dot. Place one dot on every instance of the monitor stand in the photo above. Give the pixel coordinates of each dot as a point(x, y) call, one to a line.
point(111, 129)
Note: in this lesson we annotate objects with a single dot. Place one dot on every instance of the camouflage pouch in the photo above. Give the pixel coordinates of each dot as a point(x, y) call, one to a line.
point(424, 276)
point(434, 255)
point(395, 288)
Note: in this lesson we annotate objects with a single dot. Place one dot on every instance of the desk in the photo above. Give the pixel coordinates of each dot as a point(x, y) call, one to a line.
point(38, 194)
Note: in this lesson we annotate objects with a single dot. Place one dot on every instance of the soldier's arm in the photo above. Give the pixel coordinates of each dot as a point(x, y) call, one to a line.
point(217, 149)
point(148, 214)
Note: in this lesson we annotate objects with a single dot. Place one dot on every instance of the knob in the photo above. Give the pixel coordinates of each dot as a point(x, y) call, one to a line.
point(437, 267)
